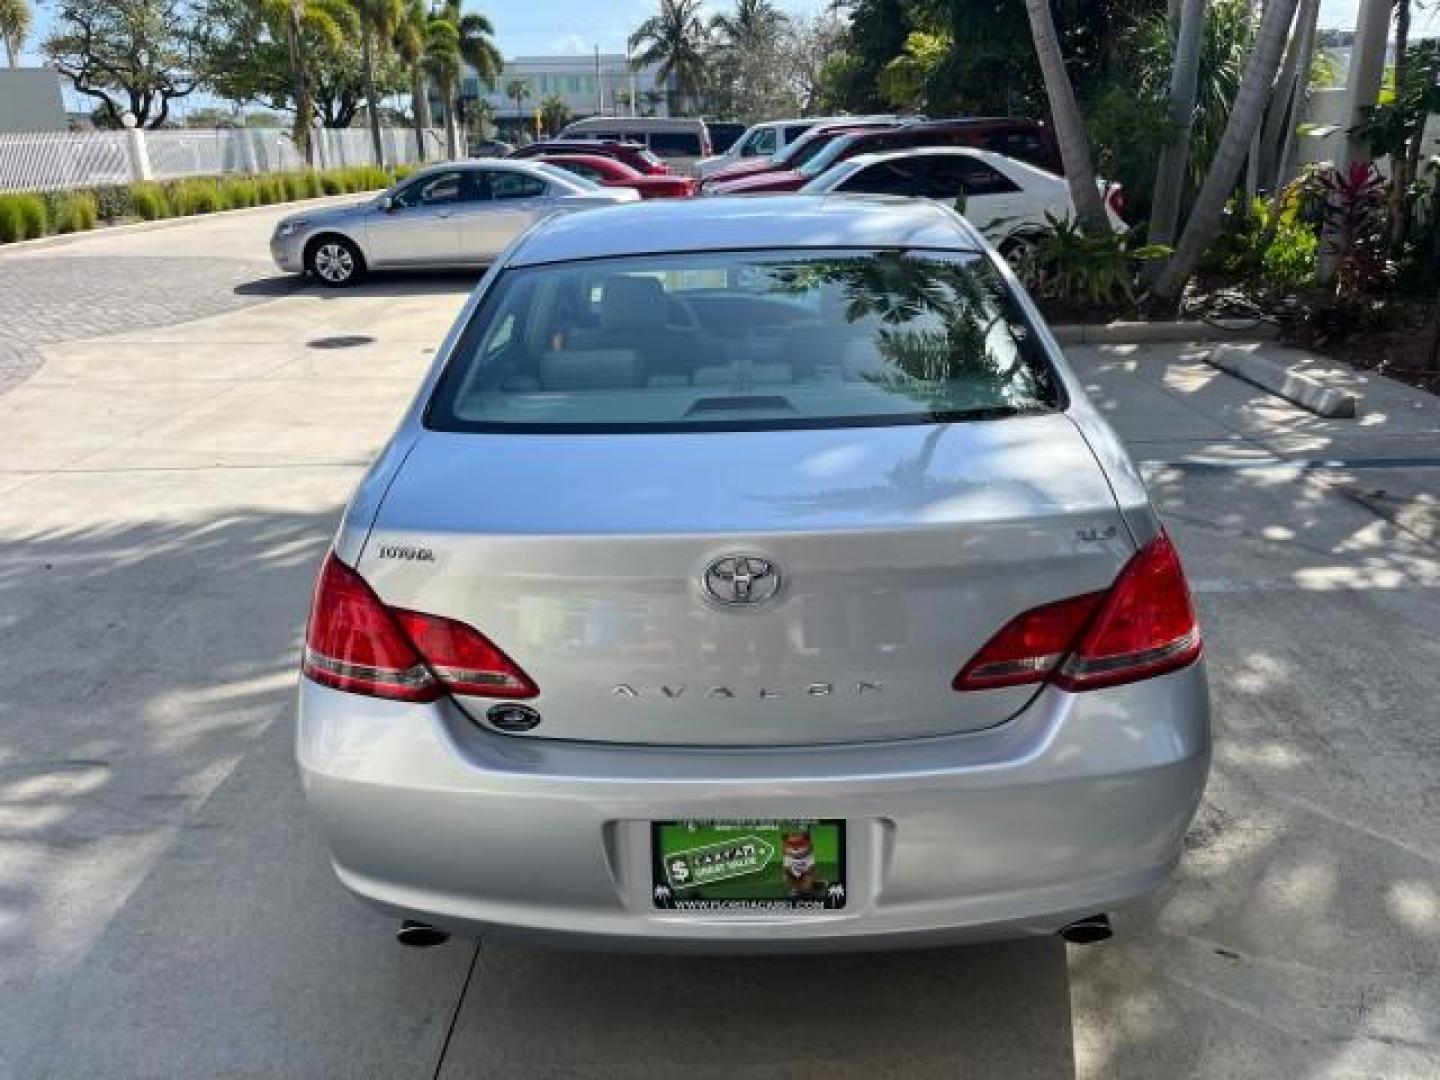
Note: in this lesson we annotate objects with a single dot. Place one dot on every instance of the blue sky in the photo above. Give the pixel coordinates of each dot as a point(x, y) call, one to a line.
point(528, 27)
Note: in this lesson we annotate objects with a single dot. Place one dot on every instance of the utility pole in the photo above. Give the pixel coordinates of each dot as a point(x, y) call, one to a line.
point(599, 86)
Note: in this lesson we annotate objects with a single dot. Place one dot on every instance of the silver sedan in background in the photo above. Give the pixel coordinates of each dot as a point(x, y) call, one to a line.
point(455, 214)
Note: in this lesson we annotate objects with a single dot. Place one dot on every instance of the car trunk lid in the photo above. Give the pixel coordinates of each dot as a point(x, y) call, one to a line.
point(899, 550)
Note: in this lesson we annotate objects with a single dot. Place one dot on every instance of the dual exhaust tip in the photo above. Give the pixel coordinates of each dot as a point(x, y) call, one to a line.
point(1086, 931)
point(419, 935)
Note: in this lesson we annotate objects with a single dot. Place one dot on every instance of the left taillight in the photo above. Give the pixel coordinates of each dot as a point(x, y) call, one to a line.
point(1142, 626)
point(354, 642)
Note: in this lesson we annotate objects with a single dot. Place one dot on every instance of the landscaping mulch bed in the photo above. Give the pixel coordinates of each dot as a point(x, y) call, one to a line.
point(1403, 346)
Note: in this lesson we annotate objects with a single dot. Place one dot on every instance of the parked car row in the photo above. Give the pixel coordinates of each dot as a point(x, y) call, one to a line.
point(1001, 172)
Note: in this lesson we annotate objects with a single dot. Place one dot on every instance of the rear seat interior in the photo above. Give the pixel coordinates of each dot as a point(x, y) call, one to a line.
point(635, 336)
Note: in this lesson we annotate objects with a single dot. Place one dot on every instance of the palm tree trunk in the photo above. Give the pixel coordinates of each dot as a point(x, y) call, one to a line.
point(1069, 129)
point(367, 62)
point(300, 79)
point(1417, 137)
point(1244, 120)
point(452, 137)
point(420, 107)
point(1305, 24)
point(1296, 65)
point(1184, 76)
point(11, 52)
point(1400, 160)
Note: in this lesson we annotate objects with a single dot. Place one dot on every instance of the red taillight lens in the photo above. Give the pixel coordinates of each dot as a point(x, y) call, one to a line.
point(463, 659)
point(1146, 626)
point(1030, 646)
point(355, 643)
point(1116, 198)
point(1143, 626)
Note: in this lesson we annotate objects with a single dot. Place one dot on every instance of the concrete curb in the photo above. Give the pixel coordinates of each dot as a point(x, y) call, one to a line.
point(66, 239)
point(1140, 333)
point(1272, 375)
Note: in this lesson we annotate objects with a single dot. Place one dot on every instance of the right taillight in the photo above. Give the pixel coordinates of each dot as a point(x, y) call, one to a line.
point(355, 642)
point(1143, 626)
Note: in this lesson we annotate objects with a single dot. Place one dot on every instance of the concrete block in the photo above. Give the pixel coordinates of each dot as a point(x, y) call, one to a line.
point(1272, 375)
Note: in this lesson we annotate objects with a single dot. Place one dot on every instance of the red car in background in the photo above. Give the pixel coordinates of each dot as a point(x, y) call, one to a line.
point(1025, 140)
point(607, 172)
point(633, 154)
point(794, 154)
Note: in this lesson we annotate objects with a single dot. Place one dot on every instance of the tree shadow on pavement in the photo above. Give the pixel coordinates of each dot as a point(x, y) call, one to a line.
point(1301, 936)
point(165, 908)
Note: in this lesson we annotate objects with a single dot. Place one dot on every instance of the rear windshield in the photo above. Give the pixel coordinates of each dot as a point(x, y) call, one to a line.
point(744, 341)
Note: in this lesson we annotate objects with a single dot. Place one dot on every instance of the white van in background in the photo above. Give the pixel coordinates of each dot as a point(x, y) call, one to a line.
point(678, 141)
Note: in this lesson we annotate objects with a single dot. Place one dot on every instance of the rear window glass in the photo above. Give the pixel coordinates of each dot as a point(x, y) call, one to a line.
point(744, 341)
point(675, 143)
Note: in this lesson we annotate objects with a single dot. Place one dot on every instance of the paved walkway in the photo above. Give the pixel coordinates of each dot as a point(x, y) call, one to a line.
point(165, 909)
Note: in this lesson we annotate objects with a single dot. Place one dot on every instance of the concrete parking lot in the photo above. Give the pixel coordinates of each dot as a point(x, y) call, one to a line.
point(176, 442)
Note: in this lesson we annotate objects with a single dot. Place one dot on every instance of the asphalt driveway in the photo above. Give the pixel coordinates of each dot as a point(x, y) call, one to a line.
point(168, 482)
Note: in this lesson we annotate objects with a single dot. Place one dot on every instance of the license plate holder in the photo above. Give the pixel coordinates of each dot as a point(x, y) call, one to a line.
point(769, 866)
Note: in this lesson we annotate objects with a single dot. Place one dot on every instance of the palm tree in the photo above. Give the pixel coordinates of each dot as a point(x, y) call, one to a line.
point(442, 61)
point(517, 90)
point(1244, 121)
point(410, 39)
point(1400, 160)
point(754, 21)
point(554, 114)
point(378, 20)
point(301, 23)
point(477, 47)
point(15, 21)
point(1184, 80)
point(1069, 128)
point(675, 40)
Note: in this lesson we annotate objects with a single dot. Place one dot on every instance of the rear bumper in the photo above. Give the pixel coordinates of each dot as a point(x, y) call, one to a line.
point(1078, 804)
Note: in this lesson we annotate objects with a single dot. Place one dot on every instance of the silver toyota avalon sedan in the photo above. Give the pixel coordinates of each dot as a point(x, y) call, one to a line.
point(460, 213)
point(752, 574)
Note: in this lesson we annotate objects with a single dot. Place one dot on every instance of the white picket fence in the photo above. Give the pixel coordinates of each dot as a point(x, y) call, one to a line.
point(55, 160)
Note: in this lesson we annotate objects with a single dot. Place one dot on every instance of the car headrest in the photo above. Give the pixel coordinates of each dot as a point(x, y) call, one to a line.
point(629, 302)
point(590, 369)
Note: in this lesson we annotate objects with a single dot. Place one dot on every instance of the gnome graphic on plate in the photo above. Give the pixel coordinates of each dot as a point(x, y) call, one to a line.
point(799, 864)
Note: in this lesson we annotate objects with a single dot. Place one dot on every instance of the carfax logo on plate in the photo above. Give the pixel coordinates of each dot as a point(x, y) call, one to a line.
point(715, 862)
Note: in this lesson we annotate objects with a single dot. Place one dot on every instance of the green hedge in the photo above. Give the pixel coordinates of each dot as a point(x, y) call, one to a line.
point(149, 200)
point(25, 215)
point(21, 217)
point(75, 211)
point(240, 192)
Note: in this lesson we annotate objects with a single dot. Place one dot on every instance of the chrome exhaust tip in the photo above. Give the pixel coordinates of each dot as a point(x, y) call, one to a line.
point(1088, 931)
point(419, 935)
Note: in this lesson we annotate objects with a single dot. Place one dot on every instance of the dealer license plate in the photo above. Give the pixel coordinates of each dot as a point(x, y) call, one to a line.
point(757, 866)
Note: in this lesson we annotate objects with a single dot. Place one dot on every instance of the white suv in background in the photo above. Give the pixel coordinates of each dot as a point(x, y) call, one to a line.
point(759, 140)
